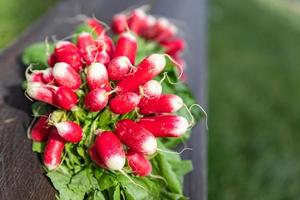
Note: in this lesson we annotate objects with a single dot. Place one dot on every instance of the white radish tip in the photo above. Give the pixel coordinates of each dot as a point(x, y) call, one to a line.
point(83, 34)
point(60, 69)
point(150, 145)
point(164, 22)
point(119, 16)
point(140, 12)
point(129, 36)
point(62, 43)
point(115, 162)
point(151, 20)
point(158, 60)
point(51, 166)
point(176, 103)
point(62, 128)
point(96, 70)
point(181, 126)
point(32, 88)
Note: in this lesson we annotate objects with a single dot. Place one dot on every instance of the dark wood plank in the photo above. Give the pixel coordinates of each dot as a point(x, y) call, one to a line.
point(21, 173)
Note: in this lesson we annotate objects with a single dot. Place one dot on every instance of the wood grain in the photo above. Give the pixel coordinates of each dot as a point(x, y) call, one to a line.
point(21, 175)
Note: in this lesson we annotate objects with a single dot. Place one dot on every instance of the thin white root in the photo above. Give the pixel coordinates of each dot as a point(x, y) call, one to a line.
point(169, 80)
point(158, 177)
point(177, 64)
point(203, 111)
point(112, 91)
point(47, 46)
point(27, 96)
point(174, 152)
point(30, 127)
point(132, 181)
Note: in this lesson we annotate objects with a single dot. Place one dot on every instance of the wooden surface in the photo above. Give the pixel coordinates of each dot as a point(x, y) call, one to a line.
point(21, 175)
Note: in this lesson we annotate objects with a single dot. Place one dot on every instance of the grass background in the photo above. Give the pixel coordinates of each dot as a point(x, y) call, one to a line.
point(254, 114)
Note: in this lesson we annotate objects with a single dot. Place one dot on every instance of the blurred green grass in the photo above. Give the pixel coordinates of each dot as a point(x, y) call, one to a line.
point(16, 15)
point(254, 103)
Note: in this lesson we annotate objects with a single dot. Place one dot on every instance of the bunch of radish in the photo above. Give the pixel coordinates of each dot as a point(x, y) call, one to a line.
point(158, 29)
point(94, 74)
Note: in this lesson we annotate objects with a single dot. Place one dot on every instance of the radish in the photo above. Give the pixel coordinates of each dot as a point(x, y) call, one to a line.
point(35, 76)
point(110, 150)
point(148, 30)
point(173, 46)
point(53, 150)
point(151, 89)
point(95, 157)
point(160, 25)
point(87, 47)
point(124, 103)
point(97, 76)
point(119, 23)
point(166, 103)
point(136, 20)
point(65, 75)
point(126, 46)
point(96, 100)
point(65, 98)
point(40, 92)
point(67, 52)
point(47, 75)
point(138, 163)
point(40, 130)
point(150, 67)
point(167, 33)
point(119, 68)
point(95, 25)
point(69, 131)
point(110, 47)
point(165, 125)
point(102, 57)
point(136, 137)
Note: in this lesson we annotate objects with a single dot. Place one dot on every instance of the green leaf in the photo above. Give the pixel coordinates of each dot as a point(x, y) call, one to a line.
point(39, 108)
point(38, 147)
point(117, 193)
point(107, 181)
point(37, 54)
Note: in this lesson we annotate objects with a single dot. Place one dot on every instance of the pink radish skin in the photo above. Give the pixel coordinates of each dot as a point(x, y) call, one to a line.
point(102, 57)
point(65, 75)
point(119, 23)
point(136, 137)
point(136, 20)
point(40, 92)
point(52, 60)
point(69, 131)
point(97, 76)
point(124, 103)
point(65, 98)
point(41, 130)
point(47, 75)
point(53, 150)
point(138, 163)
point(95, 157)
point(35, 76)
point(110, 150)
point(126, 46)
point(160, 25)
point(95, 25)
point(148, 30)
point(167, 33)
point(110, 47)
point(146, 70)
point(173, 46)
point(151, 89)
point(165, 125)
point(166, 103)
point(119, 68)
point(87, 47)
point(67, 52)
point(96, 100)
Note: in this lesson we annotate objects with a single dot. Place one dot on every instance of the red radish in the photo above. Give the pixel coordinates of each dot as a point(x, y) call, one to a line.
point(110, 150)
point(53, 150)
point(95, 157)
point(40, 130)
point(136, 137)
point(96, 100)
point(126, 46)
point(138, 163)
point(67, 52)
point(97, 76)
point(173, 46)
point(119, 68)
point(40, 92)
point(65, 75)
point(87, 47)
point(47, 75)
point(95, 25)
point(102, 57)
point(52, 60)
point(69, 131)
point(165, 125)
point(110, 47)
point(124, 103)
point(146, 70)
point(166, 103)
point(119, 23)
point(65, 98)
point(151, 89)
point(148, 30)
point(35, 76)
point(167, 33)
point(160, 25)
point(136, 20)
